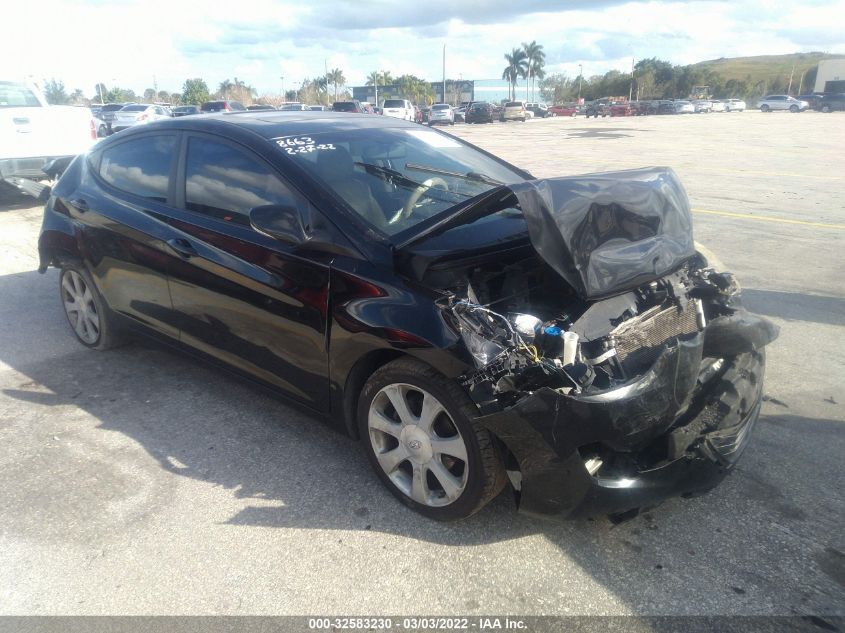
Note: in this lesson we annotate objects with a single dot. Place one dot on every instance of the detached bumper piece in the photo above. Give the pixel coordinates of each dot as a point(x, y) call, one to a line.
point(677, 429)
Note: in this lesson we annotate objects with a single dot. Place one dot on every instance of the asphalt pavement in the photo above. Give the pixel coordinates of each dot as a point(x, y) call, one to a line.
point(137, 481)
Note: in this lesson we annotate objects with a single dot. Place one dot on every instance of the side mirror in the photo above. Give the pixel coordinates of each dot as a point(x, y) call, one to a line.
point(281, 222)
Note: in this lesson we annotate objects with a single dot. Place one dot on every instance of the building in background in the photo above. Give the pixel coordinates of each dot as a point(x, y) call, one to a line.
point(830, 76)
point(457, 91)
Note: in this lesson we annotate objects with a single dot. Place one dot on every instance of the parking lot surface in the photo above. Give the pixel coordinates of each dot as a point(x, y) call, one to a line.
point(139, 482)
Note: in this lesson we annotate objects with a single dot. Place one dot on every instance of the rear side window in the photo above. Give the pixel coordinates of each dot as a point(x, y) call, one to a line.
point(16, 96)
point(225, 183)
point(140, 166)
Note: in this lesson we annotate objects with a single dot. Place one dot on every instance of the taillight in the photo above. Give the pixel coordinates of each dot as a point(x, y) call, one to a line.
point(226, 107)
point(93, 130)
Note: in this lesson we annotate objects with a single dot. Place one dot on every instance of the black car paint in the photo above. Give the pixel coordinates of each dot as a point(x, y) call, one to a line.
point(337, 316)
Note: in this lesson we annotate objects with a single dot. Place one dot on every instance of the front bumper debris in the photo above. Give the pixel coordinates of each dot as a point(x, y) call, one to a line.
point(676, 430)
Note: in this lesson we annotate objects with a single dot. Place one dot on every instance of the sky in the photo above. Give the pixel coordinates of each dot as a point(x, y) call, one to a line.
point(272, 44)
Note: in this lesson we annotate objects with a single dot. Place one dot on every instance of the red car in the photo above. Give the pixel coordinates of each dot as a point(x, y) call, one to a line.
point(563, 110)
point(621, 109)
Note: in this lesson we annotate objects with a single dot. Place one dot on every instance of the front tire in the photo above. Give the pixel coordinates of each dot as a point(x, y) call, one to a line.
point(86, 311)
point(420, 435)
point(793, 108)
point(826, 108)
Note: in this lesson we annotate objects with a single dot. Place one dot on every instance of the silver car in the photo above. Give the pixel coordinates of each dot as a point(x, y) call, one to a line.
point(137, 114)
point(684, 107)
point(781, 102)
point(441, 113)
point(734, 105)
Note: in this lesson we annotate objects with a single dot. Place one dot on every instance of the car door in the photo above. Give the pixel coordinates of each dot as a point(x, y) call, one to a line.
point(119, 209)
point(240, 296)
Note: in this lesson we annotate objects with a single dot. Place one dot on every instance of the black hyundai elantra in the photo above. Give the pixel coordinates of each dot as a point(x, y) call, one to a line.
point(474, 327)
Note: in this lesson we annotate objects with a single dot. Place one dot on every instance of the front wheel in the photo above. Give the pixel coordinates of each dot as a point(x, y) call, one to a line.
point(85, 309)
point(793, 108)
point(419, 432)
point(826, 108)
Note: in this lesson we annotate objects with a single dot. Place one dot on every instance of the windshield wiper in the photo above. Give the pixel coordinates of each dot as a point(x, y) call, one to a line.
point(392, 174)
point(470, 175)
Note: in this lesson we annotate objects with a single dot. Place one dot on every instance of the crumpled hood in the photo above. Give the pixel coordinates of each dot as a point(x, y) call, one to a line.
point(610, 232)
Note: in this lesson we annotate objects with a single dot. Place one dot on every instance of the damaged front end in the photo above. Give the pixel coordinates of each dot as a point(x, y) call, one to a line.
point(613, 361)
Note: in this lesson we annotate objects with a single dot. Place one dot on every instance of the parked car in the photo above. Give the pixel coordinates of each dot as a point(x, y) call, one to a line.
point(831, 102)
point(319, 108)
point(266, 106)
point(772, 103)
point(224, 105)
point(514, 111)
point(596, 109)
point(641, 108)
point(367, 107)
point(35, 135)
point(563, 110)
point(398, 109)
point(441, 113)
point(353, 107)
point(666, 107)
point(717, 106)
point(702, 106)
point(621, 109)
point(137, 114)
point(539, 110)
point(683, 107)
point(186, 110)
point(479, 112)
point(812, 99)
point(455, 345)
point(459, 114)
point(734, 105)
point(108, 111)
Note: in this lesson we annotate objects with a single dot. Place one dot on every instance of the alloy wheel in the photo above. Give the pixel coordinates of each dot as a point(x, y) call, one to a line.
point(418, 445)
point(80, 308)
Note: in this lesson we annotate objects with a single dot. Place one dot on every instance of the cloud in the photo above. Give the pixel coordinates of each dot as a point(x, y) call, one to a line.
point(133, 43)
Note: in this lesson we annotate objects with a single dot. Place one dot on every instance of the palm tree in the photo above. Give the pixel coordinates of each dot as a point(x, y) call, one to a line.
point(224, 88)
point(516, 68)
point(535, 57)
point(336, 78)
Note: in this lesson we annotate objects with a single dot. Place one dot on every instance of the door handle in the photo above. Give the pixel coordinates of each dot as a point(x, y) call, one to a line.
point(80, 204)
point(182, 247)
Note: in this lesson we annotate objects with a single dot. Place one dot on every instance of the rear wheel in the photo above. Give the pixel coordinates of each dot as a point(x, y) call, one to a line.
point(420, 435)
point(764, 108)
point(85, 309)
point(826, 108)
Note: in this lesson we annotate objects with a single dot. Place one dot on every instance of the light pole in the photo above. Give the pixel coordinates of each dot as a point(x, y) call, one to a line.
point(284, 100)
point(580, 77)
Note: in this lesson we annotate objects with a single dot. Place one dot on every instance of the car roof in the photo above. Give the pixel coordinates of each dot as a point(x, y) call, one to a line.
point(272, 124)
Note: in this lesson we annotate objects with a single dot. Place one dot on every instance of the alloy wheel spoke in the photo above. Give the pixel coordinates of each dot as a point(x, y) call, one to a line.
point(419, 487)
point(80, 326)
point(380, 422)
point(67, 284)
point(452, 446)
point(397, 398)
point(93, 322)
point(390, 460)
point(451, 485)
point(71, 307)
point(78, 284)
point(431, 408)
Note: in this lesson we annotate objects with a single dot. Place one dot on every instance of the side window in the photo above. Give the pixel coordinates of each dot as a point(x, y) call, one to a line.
point(141, 166)
point(226, 183)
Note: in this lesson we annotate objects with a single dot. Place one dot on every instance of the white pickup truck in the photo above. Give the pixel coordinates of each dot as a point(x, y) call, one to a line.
point(34, 134)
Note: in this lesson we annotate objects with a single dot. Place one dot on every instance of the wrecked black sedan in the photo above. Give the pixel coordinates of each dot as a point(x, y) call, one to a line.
point(474, 327)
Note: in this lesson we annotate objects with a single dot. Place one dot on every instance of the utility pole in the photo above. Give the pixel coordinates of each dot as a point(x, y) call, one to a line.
point(326, 69)
point(580, 77)
point(789, 89)
point(444, 74)
point(631, 88)
point(377, 74)
point(284, 100)
point(801, 82)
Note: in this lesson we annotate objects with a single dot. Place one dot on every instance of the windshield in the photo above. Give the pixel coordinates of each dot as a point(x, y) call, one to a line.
point(344, 106)
point(17, 96)
point(395, 178)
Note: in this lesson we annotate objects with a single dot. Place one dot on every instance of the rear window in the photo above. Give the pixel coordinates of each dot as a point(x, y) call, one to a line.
point(111, 107)
point(134, 108)
point(17, 96)
point(394, 103)
point(141, 166)
point(344, 106)
point(440, 107)
point(481, 105)
point(213, 106)
point(513, 104)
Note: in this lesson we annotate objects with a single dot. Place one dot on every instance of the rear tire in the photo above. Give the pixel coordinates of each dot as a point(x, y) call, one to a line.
point(86, 311)
point(764, 108)
point(429, 451)
point(826, 108)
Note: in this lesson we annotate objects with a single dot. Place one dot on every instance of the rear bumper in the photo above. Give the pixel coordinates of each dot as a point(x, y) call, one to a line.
point(675, 431)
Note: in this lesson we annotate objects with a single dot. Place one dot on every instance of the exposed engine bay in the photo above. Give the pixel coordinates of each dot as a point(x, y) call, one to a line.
point(526, 329)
